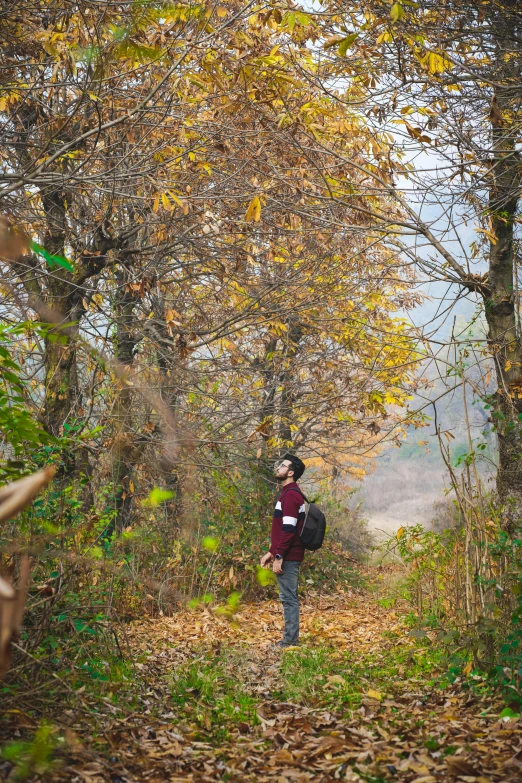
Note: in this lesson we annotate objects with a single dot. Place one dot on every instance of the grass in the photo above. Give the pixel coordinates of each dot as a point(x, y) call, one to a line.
point(323, 677)
point(212, 693)
point(214, 699)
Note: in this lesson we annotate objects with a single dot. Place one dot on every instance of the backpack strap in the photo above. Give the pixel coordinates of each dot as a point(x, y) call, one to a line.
point(297, 489)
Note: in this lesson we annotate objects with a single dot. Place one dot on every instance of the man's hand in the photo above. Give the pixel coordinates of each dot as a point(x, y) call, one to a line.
point(266, 559)
point(277, 568)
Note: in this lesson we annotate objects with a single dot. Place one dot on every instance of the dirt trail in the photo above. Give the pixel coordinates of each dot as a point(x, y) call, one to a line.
point(405, 732)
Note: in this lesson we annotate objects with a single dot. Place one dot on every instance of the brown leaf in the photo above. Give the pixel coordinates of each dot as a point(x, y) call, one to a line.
point(91, 771)
point(11, 614)
point(328, 745)
point(6, 590)
point(16, 496)
point(495, 115)
point(284, 757)
point(459, 766)
point(12, 241)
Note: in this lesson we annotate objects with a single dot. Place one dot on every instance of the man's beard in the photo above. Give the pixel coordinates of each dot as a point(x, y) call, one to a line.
point(282, 478)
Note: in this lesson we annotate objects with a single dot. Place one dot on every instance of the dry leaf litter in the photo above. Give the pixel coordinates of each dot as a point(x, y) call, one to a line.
point(382, 739)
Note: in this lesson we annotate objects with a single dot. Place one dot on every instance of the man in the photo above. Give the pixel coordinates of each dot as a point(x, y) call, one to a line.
point(286, 551)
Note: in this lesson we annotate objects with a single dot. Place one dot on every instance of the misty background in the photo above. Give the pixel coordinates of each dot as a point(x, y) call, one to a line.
point(408, 481)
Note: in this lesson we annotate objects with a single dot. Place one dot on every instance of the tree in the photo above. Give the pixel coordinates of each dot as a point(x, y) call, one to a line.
point(444, 81)
point(210, 227)
point(76, 138)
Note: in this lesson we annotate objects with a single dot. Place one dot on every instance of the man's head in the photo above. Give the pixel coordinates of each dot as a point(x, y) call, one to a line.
point(290, 467)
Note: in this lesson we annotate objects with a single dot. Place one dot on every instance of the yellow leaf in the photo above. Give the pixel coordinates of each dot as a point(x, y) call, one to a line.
point(165, 201)
point(253, 213)
point(400, 533)
point(467, 668)
point(396, 12)
point(131, 486)
point(346, 43)
point(171, 317)
point(374, 694)
point(490, 235)
point(50, 49)
point(385, 37)
point(175, 198)
point(156, 204)
point(436, 63)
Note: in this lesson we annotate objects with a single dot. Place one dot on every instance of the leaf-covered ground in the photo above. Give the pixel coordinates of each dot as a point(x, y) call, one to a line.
point(210, 699)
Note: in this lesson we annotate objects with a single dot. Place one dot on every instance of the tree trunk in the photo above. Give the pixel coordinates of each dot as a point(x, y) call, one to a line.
point(62, 401)
point(171, 366)
point(123, 455)
point(500, 303)
point(288, 386)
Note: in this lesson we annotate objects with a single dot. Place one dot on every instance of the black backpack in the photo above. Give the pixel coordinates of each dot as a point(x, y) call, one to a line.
point(314, 526)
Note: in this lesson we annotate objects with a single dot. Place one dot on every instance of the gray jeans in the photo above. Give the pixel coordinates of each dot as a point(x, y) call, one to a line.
point(287, 582)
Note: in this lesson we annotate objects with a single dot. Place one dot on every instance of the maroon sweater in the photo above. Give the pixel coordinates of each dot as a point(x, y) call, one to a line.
point(288, 519)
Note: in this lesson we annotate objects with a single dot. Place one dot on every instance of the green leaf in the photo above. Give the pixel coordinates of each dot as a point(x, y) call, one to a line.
point(290, 21)
point(265, 577)
point(303, 19)
point(90, 433)
point(51, 260)
point(157, 496)
point(417, 633)
point(210, 543)
point(346, 43)
point(508, 714)
point(80, 625)
point(233, 600)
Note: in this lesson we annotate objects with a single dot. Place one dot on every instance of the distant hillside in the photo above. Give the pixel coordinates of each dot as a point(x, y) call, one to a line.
point(407, 481)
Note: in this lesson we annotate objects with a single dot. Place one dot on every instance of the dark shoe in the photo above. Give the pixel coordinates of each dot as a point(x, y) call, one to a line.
point(283, 645)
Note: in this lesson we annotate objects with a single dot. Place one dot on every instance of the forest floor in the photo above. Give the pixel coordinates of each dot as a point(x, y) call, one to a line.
point(210, 699)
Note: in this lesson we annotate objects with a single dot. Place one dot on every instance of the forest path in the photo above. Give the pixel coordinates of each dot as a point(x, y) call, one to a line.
point(356, 702)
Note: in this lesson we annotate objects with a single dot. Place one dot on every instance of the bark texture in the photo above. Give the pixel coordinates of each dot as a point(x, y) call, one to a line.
point(501, 300)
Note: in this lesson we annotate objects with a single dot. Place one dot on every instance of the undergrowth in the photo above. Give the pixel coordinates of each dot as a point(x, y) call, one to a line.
point(324, 677)
point(215, 693)
point(209, 692)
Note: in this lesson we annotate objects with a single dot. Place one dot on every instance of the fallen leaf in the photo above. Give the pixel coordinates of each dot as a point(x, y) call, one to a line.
point(459, 766)
point(336, 679)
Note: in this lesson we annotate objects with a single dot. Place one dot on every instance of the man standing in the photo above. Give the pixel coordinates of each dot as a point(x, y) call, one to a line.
point(286, 550)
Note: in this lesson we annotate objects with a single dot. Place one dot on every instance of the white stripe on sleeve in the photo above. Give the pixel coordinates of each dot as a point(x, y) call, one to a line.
point(290, 521)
